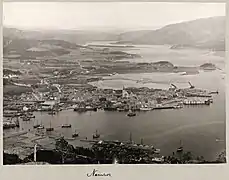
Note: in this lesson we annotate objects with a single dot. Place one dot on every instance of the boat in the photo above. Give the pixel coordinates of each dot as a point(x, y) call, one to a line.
point(207, 102)
point(8, 125)
point(31, 116)
point(219, 140)
point(52, 113)
point(157, 151)
point(36, 126)
point(89, 108)
point(40, 127)
point(145, 109)
point(120, 109)
point(80, 109)
point(214, 92)
point(180, 149)
point(110, 109)
point(183, 73)
point(130, 140)
point(75, 135)
point(26, 118)
point(163, 107)
point(17, 123)
point(211, 100)
point(50, 128)
point(131, 113)
point(177, 106)
point(66, 126)
point(96, 135)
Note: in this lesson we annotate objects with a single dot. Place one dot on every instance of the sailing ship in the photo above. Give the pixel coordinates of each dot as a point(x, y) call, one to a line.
point(96, 135)
point(36, 125)
point(131, 141)
point(75, 134)
point(50, 128)
point(180, 149)
point(67, 125)
point(17, 123)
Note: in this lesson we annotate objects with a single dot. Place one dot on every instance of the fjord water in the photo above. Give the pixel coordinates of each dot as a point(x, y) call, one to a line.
point(197, 127)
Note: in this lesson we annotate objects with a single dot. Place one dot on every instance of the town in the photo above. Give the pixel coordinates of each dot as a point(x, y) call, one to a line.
point(83, 98)
point(90, 98)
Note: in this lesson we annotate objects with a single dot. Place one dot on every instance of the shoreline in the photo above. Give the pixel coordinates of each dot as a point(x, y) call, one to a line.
point(85, 96)
point(75, 156)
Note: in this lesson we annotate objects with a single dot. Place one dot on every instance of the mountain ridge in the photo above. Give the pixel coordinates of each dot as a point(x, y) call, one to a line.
point(200, 33)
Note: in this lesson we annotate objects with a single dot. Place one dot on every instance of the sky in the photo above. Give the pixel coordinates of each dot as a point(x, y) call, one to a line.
point(109, 15)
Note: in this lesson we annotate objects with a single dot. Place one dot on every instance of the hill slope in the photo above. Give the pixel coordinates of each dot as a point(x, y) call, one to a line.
point(201, 33)
point(204, 33)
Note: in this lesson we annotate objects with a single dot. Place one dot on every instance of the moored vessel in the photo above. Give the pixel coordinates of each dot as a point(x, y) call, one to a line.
point(66, 126)
point(131, 113)
point(75, 134)
point(96, 135)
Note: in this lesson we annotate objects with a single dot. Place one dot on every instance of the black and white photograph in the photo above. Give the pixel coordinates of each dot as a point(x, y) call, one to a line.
point(114, 83)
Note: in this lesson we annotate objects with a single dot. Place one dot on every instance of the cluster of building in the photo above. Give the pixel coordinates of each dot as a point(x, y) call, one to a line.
point(136, 98)
point(92, 98)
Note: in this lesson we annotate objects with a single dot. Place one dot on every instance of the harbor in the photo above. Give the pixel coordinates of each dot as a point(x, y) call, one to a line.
point(155, 115)
point(95, 102)
point(85, 124)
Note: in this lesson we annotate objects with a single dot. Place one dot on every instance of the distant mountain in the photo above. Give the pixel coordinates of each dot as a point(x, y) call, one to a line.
point(32, 44)
point(74, 36)
point(132, 36)
point(201, 33)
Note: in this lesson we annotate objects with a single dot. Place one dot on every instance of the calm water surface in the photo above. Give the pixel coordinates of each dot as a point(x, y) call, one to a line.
point(197, 127)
